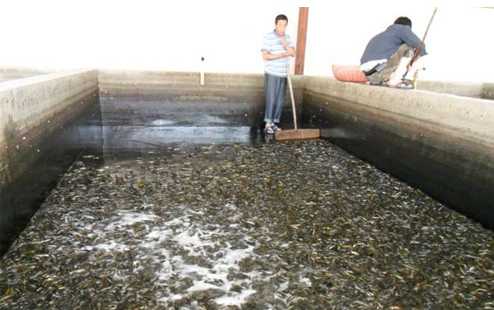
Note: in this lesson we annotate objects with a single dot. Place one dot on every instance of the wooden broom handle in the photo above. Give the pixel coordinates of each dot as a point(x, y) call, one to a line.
point(292, 98)
point(418, 49)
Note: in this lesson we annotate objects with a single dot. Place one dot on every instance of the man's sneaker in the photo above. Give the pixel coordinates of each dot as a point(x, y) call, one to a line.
point(276, 128)
point(269, 129)
point(404, 84)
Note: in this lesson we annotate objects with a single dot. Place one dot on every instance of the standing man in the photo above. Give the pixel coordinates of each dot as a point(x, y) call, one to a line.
point(277, 48)
point(387, 57)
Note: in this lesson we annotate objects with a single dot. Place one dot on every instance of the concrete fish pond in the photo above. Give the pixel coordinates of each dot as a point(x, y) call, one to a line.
point(283, 226)
point(146, 190)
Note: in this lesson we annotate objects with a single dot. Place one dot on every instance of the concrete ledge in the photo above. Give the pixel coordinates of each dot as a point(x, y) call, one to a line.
point(470, 116)
point(440, 143)
point(12, 73)
point(145, 82)
point(465, 89)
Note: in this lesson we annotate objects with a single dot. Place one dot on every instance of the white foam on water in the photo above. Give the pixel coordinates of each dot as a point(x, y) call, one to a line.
point(177, 221)
point(203, 241)
point(194, 242)
point(155, 238)
point(131, 218)
point(172, 248)
point(283, 286)
point(201, 286)
point(235, 299)
point(110, 246)
point(306, 281)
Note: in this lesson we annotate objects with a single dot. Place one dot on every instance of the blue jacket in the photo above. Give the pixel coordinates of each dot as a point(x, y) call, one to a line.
point(385, 44)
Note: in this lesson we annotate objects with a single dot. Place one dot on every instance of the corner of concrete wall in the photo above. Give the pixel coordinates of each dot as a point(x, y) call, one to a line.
point(488, 91)
point(32, 108)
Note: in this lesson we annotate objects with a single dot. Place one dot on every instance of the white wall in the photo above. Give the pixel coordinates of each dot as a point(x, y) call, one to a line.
point(173, 35)
point(458, 41)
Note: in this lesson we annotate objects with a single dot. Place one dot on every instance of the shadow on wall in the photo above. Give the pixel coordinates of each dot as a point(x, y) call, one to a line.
point(34, 163)
point(9, 135)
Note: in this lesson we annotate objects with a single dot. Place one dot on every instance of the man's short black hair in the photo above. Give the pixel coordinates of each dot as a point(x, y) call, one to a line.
point(280, 17)
point(403, 20)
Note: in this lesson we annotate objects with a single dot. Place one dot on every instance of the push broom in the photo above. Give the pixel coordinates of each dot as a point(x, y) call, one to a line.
point(417, 51)
point(296, 134)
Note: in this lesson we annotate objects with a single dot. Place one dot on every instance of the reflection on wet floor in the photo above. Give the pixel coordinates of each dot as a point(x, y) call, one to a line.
point(300, 225)
point(149, 131)
point(141, 137)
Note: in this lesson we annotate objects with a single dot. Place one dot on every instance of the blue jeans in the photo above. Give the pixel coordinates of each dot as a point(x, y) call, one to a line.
point(274, 89)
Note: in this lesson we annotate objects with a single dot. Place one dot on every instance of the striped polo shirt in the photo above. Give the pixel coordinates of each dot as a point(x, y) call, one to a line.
point(272, 43)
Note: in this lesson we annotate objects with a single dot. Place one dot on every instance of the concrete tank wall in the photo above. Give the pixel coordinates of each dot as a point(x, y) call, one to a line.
point(440, 143)
point(148, 92)
point(41, 134)
point(142, 110)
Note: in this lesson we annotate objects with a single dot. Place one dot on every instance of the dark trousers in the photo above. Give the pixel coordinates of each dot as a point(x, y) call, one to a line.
point(384, 75)
point(274, 89)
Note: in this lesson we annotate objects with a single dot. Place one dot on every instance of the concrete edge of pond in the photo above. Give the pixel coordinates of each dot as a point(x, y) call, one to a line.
point(466, 89)
point(14, 73)
point(191, 79)
point(472, 115)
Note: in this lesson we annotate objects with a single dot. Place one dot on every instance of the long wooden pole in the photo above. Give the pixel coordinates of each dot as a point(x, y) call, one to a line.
point(417, 50)
point(292, 100)
point(303, 18)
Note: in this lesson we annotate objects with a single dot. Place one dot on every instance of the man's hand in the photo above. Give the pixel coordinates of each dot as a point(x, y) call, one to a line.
point(284, 42)
point(291, 52)
point(268, 56)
